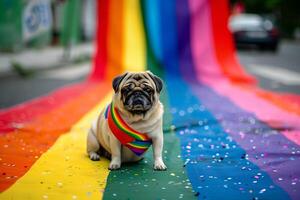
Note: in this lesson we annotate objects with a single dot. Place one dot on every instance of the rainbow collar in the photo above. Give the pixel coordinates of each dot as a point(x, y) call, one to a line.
point(137, 142)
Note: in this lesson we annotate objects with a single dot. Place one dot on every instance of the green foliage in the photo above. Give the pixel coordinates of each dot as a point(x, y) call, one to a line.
point(260, 6)
point(272, 4)
point(21, 70)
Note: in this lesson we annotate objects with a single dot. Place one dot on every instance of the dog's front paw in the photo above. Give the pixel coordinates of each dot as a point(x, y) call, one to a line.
point(159, 165)
point(114, 164)
point(94, 156)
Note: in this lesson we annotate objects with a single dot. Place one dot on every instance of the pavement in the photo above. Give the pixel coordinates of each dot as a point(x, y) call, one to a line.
point(15, 89)
point(278, 71)
point(41, 71)
point(275, 71)
point(44, 58)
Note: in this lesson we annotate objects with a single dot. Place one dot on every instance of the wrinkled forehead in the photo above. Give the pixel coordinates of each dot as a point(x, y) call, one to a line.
point(138, 79)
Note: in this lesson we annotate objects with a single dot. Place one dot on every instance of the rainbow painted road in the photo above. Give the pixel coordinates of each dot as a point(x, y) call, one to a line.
point(225, 138)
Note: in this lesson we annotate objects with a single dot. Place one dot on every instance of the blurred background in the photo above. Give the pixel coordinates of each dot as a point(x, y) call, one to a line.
point(45, 44)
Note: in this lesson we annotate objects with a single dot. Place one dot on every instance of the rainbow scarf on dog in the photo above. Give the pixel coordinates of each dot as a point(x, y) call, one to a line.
point(137, 142)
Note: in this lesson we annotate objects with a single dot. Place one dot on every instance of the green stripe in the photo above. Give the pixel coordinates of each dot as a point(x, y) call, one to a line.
point(156, 67)
point(139, 145)
point(138, 180)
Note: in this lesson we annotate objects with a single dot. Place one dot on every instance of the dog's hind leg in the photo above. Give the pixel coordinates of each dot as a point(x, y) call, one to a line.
point(93, 146)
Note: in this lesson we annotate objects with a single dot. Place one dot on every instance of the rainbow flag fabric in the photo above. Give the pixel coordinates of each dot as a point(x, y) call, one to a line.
point(137, 142)
point(224, 137)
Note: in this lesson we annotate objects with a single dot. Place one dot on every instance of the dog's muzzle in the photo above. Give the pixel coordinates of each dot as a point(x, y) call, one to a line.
point(138, 102)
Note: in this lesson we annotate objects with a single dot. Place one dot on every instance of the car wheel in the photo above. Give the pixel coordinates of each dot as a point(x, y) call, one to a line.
point(273, 47)
point(262, 47)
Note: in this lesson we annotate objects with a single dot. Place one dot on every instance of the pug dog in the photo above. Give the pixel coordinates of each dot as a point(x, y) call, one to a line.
point(136, 104)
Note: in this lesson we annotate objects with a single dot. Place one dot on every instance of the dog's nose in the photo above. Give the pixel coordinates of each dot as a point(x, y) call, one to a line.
point(137, 101)
point(137, 93)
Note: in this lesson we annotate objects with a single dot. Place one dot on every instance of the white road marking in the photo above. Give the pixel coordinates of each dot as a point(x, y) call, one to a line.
point(281, 74)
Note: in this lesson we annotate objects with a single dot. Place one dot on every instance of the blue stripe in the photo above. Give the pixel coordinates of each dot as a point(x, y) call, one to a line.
point(152, 16)
point(169, 36)
point(106, 111)
point(140, 142)
point(216, 165)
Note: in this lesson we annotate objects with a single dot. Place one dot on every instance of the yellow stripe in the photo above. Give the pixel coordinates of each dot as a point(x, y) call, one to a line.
point(134, 37)
point(139, 147)
point(65, 171)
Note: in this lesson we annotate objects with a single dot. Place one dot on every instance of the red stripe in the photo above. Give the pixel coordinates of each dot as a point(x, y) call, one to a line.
point(286, 101)
point(224, 46)
point(124, 124)
point(226, 55)
point(120, 135)
point(44, 120)
point(31, 109)
point(100, 57)
point(266, 109)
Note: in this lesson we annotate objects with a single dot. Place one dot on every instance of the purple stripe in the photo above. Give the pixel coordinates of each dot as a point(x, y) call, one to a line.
point(136, 150)
point(187, 68)
point(267, 148)
point(183, 28)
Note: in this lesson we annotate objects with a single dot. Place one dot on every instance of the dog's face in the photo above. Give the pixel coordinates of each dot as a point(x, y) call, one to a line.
point(137, 92)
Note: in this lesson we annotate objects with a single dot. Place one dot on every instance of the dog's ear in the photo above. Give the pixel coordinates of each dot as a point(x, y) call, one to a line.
point(116, 82)
point(158, 82)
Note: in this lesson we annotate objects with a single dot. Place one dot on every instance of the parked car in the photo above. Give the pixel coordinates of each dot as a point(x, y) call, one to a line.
point(253, 29)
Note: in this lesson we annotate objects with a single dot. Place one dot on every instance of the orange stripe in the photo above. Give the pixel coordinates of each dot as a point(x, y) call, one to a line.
point(20, 149)
point(115, 39)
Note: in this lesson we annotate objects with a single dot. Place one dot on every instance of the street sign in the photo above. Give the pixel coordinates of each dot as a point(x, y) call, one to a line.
point(37, 18)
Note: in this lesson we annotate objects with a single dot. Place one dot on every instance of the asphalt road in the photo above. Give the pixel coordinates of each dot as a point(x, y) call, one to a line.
point(278, 71)
point(15, 89)
point(275, 71)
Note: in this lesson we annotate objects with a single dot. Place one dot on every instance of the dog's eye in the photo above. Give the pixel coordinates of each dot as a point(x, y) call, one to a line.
point(125, 89)
point(149, 90)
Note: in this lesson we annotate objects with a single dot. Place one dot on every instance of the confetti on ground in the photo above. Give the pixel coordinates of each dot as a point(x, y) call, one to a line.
point(224, 137)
